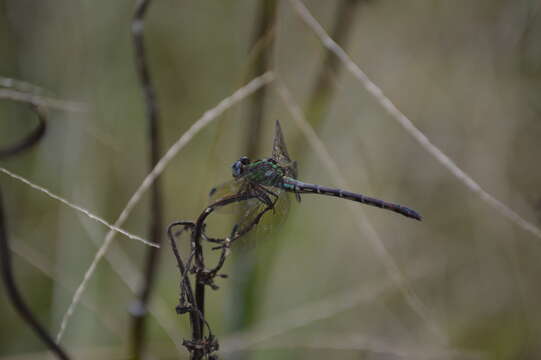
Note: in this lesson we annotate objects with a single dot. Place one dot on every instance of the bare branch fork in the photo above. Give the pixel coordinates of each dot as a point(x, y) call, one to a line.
point(193, 302)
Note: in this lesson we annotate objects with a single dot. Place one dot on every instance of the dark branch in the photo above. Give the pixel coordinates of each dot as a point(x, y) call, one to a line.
point(323, 91)
point(263, 53)
point(186, 299)
point(8, 278)
point(152, 114)
point(31, 139)
point(201, 345)
point(13, 293)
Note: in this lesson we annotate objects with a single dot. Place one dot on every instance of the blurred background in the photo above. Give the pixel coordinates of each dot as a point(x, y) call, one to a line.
point(468, 75)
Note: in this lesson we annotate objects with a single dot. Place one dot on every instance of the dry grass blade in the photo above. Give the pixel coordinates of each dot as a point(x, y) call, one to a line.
point(39, 100)
point(130, 274)
point(406, 123)
point(113, 228)
point(311, 312)
point(380, 348)
point(20, 85)
point(38, 261)
point(364, 225)
point(203, 121)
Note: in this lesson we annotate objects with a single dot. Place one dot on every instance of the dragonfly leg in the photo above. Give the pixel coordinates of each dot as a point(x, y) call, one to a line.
point(269, 192)
point(265, 199)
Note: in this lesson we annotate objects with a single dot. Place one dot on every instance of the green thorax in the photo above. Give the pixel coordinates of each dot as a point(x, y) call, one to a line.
point(265, 172)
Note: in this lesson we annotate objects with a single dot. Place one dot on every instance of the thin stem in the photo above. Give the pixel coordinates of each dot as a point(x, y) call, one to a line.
point(152, 114)
point(408, 125)
point(323, 90)
point(362, 222)
point(208, 117)
point(200, 345)
point(29, 140)
point(38, 100)
point(201, 276)
point(262, 46)
point(15, 297)
point(5, 255)
point(265, 24)
point(185, 285)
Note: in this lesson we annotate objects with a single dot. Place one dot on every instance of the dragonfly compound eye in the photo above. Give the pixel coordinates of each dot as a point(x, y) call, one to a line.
point(238, 168)
point(244, 160)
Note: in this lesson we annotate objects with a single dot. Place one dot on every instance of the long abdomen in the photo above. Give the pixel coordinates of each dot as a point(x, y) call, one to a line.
point(304, 188)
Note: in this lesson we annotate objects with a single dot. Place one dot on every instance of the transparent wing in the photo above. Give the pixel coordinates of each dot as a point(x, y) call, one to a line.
point(229, 188)
point(280, 154)
point(255, 215)
point(251, 213)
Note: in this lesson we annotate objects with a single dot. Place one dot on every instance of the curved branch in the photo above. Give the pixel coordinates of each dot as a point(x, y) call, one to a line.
point(186, 292)
point(6, 271)
point(31, 139)
point(15, 297)
point(201, 345)
point(152, 115)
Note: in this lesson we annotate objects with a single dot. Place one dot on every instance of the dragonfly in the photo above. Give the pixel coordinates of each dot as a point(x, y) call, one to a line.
point(269, 180)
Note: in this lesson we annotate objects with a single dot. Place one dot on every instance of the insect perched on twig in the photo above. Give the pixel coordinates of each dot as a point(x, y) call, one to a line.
point(267, 181)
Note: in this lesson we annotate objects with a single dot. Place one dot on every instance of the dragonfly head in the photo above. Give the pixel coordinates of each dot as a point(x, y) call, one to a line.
point(239, 165)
